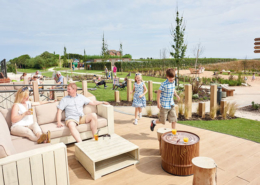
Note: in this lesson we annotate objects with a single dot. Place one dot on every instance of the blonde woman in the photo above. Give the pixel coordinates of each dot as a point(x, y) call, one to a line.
point(22, 119)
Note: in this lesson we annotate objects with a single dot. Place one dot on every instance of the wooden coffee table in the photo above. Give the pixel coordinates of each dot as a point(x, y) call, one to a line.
point(106, 155)
point(177, 155)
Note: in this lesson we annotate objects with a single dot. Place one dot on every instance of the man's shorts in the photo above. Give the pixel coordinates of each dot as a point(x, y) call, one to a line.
point(168, 113)
point(82, 120)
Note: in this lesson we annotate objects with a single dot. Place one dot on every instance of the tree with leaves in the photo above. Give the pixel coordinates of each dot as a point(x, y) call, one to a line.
point(179, 47)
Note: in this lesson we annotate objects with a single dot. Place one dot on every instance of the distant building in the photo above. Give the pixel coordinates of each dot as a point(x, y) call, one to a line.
point(114, 53)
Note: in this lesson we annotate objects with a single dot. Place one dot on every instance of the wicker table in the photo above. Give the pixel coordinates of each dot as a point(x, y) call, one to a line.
point(106, 155)
point(176, 155)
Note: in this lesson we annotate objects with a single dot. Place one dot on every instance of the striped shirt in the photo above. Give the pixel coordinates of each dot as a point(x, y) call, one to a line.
point(167, 93)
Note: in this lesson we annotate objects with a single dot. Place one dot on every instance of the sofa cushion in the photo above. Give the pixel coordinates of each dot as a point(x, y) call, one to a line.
point(4, 88)
point(46, 113)
point(24, 144)
point(6, 146)
point(6, 113)
point(64, 131)
point(90, 108)
point(18, 87)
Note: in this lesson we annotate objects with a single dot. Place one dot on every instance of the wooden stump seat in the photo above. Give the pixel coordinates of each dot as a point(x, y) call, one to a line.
point(204, 170)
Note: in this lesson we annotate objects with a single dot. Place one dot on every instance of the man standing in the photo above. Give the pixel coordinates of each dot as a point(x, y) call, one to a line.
point(73, 106)
point(59, 81)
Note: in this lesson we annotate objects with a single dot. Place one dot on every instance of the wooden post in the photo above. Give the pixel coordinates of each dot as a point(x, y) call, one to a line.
point(188, 98)
point(223, 104)
point(177, 110)
point(213, 97)
point(35, 92)
point(65, 82)
point(85, 87)
point(117, 96)
point(202, 106)
point(150, 91)
point(25, 81)
point(129, 89)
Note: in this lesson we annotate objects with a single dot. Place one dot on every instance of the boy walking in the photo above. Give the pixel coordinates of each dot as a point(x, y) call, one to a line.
point(165, 101)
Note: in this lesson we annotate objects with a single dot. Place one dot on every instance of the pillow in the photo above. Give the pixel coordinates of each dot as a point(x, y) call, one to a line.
point(6, 113)
point(6, 145)
point(46, 113)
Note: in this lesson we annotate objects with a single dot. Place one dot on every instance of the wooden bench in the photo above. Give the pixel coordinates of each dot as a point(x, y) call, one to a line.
point(193, 71)
point(228, 90)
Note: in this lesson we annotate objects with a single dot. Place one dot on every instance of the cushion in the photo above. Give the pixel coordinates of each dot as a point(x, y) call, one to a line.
point(6, 113)
point(24, 144)
point(6, 146)
point(4, 88)
point(55, 131)
point(46, 113)
point(18, 83)
point(64, 131)
point(90, 109)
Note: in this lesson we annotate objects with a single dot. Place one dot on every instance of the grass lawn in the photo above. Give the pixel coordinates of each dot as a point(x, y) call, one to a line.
point(108, 94)
point(243, 128)
point(31, 70)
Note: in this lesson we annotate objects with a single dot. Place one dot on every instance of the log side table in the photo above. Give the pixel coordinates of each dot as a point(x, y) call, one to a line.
point(177, 155)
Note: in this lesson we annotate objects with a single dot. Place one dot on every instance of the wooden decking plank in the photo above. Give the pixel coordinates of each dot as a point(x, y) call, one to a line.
point(237, 181)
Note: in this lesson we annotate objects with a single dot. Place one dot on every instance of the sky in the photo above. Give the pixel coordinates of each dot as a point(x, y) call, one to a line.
point(225, 29)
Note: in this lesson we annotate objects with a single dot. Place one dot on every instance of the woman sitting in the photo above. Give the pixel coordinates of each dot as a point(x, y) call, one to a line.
point(22, 118)
point(23, 76)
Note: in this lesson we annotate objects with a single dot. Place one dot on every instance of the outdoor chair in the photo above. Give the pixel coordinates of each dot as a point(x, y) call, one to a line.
point(121, 86)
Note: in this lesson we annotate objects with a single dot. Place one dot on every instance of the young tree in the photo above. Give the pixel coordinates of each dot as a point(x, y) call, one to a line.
point(197, 52)
point(84, 55)
point(121, 54)
point(179, 47)
point(65, 61)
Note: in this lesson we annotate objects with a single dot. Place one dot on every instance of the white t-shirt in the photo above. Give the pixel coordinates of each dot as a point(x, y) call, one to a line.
point(28, 119)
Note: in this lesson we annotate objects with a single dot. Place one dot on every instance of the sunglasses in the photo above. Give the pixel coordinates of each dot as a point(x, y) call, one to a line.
point(24, 89)
point(106, 135)
point(137, 74)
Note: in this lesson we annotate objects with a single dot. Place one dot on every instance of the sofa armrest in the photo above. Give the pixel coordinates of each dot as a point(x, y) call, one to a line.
point(107, 111)
point(47, 164)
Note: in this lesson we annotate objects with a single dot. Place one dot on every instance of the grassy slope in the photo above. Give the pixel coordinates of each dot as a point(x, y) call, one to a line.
point(243, 128)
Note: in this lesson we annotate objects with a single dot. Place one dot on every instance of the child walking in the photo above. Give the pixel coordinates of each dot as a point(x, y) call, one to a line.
point(165, 101)
point(139, 97)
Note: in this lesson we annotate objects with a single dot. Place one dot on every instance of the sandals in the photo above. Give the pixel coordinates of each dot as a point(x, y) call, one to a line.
point(48, 136)
point(42, 139)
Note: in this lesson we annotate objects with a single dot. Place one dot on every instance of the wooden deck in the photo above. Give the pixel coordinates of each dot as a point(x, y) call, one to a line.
point(238, 159)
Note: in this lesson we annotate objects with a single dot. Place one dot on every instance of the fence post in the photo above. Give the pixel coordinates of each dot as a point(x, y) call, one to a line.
point(202, 109)
point(129, 89)
point(150, 91)
point(85, 87)
point(65, 81)
point(188, 99)
point(117, 96)
point(223, 104)
point(35, 92)
point(213, 97)
point(25, 81)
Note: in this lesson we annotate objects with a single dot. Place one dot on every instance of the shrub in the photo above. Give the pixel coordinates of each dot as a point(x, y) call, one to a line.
point(195, 96)
point(148, 111)
point(186, 111)
point(255, 105)
point(233, 109)
point(225, 111)
point(213, 112)
point(205, 98)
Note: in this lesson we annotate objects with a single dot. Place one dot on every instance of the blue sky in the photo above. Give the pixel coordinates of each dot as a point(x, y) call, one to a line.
point(226, 29)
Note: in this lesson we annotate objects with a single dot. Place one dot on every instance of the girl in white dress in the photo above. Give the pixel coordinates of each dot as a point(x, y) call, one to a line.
point(22, 118)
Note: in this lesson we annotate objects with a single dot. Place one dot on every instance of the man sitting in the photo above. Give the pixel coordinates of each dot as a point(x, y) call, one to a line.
point(73, 106)
point(59, 81)
point(100, 82)
point(37, 75)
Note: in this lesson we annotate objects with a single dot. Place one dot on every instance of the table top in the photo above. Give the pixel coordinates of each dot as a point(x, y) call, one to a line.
point(106, 147)
point(178, 138)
